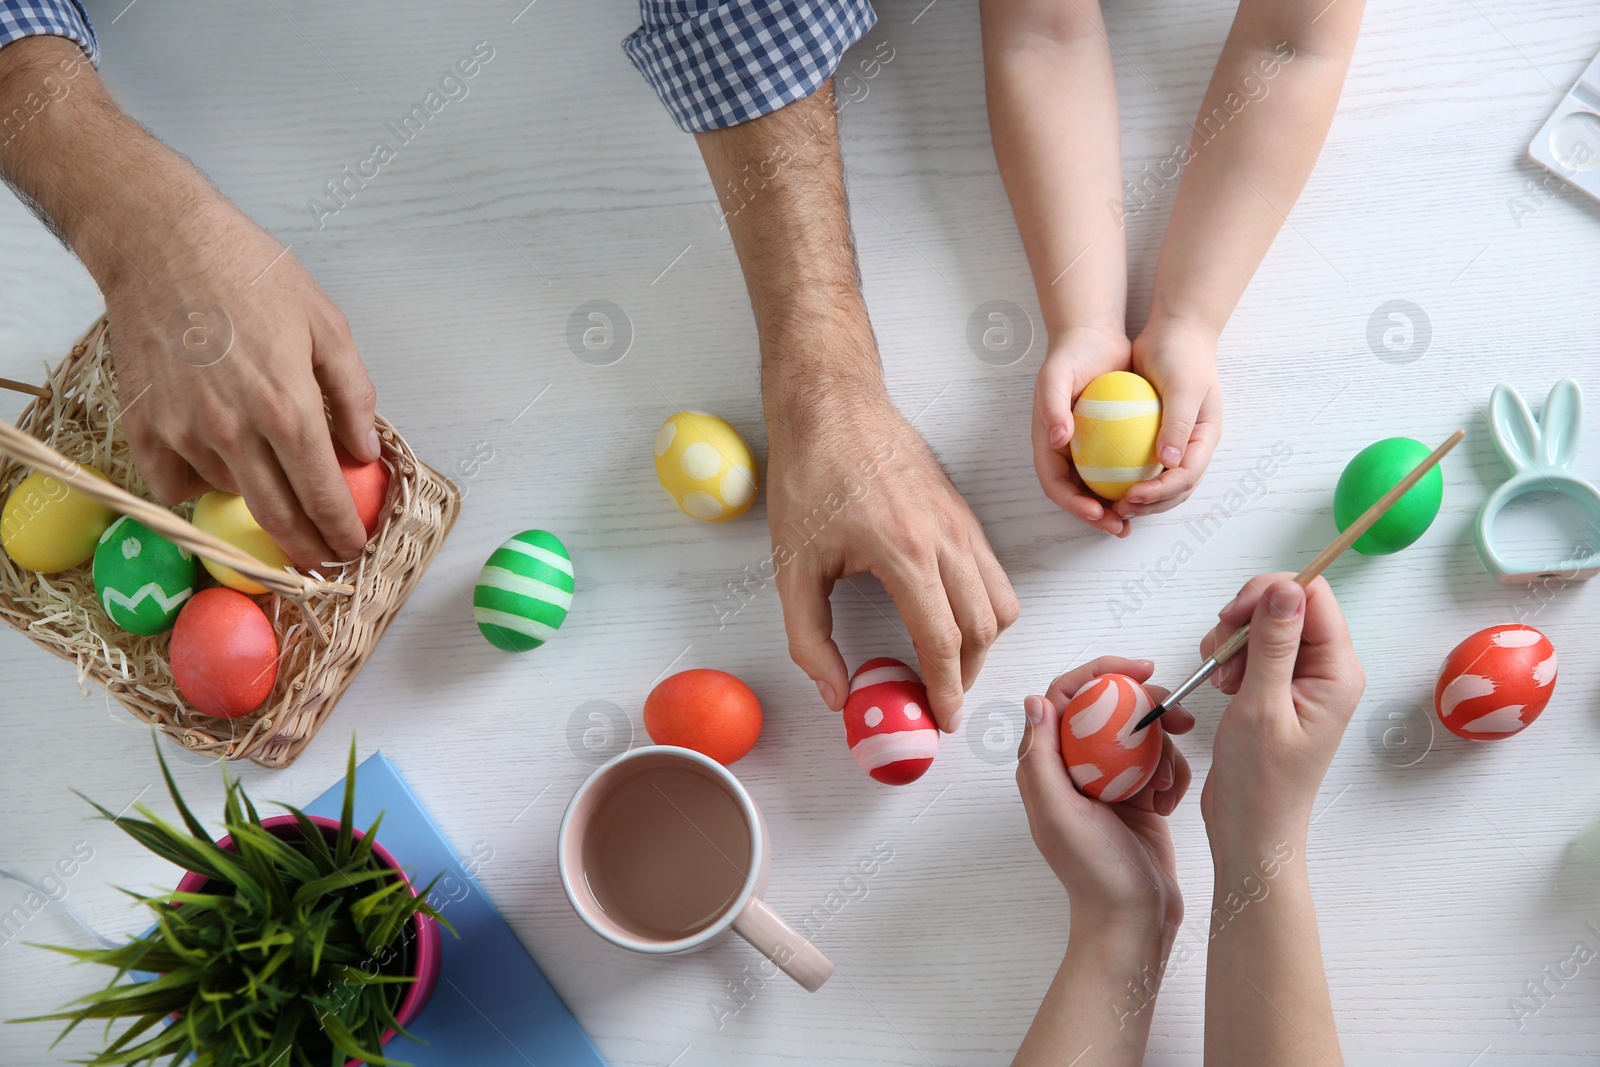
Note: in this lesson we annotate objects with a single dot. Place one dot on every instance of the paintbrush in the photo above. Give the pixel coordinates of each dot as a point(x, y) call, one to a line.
point(1229, 648)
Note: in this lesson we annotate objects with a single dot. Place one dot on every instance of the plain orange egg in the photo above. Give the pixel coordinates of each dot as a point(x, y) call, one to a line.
point(712, 712)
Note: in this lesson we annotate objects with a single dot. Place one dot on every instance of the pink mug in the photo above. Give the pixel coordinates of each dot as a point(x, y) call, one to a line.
point(662, 851)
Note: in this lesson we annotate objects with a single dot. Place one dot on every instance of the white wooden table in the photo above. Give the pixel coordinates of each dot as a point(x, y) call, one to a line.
point(1445, 886)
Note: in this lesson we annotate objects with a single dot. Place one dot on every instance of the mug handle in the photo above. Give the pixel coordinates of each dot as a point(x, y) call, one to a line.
point(782, 944)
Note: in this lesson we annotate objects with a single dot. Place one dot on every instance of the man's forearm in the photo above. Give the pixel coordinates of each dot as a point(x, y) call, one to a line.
point(1265, 116)
point(781, 186)
point(1053, 117)
point(1267, 1002)
point(73, 155)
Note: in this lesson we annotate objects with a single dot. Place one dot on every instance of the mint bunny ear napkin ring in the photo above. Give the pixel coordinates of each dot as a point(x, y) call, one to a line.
point(1540, 456)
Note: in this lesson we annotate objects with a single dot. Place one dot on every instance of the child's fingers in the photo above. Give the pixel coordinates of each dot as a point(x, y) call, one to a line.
point(1180, 414)
point(1061, 485)
point(1053, 397)
point(1173, 486)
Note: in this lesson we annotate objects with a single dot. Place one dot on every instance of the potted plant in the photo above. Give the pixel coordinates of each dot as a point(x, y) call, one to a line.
point(293, 941)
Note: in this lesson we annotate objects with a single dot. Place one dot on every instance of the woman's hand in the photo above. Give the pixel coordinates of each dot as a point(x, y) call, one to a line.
point(1294, 688)
point(1115, 860)
point(1074, 360)
point(1179, 358)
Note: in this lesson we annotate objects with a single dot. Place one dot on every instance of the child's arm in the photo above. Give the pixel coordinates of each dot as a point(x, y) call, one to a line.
point(1116, 862)
point(1260, 128)
point(1053, 118)
point(1267, 1002)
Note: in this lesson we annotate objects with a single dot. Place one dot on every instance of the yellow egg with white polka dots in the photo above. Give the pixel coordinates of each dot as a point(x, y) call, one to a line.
point(1117, 417)
point(705, 466)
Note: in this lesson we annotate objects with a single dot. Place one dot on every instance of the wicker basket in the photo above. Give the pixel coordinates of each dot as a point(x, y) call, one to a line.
point(327, 624)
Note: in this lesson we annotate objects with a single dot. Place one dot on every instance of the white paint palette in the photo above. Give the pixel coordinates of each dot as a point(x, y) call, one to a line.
point(1569, 141)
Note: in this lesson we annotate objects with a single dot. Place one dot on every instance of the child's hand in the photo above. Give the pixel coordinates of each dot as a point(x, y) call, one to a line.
point(1074, 360)
point(1294, 687)
point(1115, 860)
point(1179, 358)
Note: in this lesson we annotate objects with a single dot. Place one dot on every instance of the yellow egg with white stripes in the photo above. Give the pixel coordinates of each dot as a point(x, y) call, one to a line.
point(1117, 419)
point(705, 466)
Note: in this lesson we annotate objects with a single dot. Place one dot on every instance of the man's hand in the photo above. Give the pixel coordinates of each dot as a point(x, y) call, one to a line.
point(224, 346)
point(781, 187)
point(1180, 360)
point(902, 521)
point(223, 357)
point(1074, 360)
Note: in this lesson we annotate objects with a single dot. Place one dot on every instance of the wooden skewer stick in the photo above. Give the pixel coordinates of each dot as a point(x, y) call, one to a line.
point(287, 583)
point(1229, 648)
point(39, 391)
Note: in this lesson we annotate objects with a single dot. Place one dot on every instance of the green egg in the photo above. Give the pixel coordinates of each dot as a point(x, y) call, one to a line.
point(1374, 471)
point(140, 578)
point(524, 592)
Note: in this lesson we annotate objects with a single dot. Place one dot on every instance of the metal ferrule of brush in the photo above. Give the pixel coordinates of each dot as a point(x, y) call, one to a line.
point(1189, 685)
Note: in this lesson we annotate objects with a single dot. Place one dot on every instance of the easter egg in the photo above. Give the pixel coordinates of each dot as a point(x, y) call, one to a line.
point(1106, 758)
point(141, 579)
point(705, 466)
point(226, 516)
point(887, 723)
point(524, 592)
point(224, 653)
point(1495, 683)
point(712, 712)
point(47, 526)
point(369, 487)
point(1116, 421)
point(1374, 471)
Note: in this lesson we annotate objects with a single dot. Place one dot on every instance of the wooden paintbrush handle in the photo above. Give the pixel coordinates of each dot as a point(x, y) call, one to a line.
point(1229, 648)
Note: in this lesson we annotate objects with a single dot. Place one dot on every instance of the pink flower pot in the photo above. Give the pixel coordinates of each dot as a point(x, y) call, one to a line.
point(426, 943)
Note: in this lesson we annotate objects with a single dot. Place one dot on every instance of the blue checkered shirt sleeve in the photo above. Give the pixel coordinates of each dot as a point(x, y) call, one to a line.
point(717, 64)
point(59, 18)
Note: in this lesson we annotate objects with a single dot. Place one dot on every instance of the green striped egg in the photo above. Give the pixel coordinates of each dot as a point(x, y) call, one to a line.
point(524, 591)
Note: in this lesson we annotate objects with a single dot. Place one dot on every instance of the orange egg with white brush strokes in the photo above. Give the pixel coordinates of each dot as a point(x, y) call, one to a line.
point(1495, 683)
point(1106, 757)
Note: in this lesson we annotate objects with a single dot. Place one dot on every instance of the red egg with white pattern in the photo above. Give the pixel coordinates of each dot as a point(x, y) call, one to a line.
point(1495, 683)
point(887, 723)
point(1106, 757)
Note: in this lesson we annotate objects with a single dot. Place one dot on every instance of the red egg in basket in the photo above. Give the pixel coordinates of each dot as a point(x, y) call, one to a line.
point(224, 653)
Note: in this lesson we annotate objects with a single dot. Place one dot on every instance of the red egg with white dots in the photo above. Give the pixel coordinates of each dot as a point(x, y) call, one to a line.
point(887, 723)
point(1495, 683)
point(1106, 757)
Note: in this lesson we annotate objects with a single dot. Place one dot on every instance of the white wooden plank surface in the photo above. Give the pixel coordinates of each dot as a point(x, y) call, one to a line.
point(1444, 888)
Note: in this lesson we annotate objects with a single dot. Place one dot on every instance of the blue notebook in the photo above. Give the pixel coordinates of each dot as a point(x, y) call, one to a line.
point(493, 1005)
